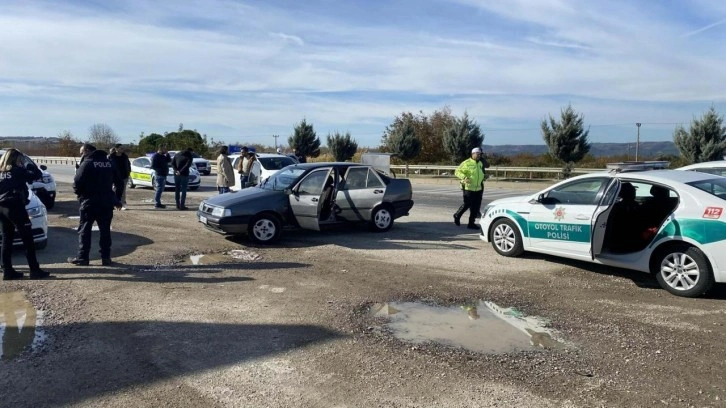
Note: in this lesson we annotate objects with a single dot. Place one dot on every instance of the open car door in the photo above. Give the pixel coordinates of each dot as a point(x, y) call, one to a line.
point(600, 217)
point(306, 200)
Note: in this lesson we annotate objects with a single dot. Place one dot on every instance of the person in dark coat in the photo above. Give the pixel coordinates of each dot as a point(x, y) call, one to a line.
point(160, 164)
point(14, 179)
point(93, 184)
point(181, 164)
point(122, 167)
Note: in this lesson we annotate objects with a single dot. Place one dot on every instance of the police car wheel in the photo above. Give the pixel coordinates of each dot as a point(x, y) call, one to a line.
point(506, 239)
point(131, 183)
point(683, 270)
point(264, 229)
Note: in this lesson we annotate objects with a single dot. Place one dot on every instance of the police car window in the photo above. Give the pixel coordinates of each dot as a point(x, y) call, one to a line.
point(579, 192)
point(716, 187)
point(140, 162)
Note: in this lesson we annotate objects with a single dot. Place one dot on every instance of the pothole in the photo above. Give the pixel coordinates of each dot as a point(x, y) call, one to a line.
point(482, 327)
point(19, 324)
point(220, 258)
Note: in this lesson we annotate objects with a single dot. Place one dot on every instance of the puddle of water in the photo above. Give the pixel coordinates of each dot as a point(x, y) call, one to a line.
point(483, 327)
point(18, 324)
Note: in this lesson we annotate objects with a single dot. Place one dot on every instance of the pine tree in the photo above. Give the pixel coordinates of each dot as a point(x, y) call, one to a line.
point(304, 140)
point(461, 138)
point(342, 147)
point(704, 141)
point(401, 140)
point(566, 139)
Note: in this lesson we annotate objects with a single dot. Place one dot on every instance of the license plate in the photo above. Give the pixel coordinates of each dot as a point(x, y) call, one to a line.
point(203, 219)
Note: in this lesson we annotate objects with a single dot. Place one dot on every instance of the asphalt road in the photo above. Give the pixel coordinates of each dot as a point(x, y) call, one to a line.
point(427, 192)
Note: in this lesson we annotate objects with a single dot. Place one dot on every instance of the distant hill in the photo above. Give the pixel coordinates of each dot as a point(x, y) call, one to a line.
point(646, 149)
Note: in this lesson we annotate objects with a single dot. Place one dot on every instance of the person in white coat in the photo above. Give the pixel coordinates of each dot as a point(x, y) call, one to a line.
point(225, 172)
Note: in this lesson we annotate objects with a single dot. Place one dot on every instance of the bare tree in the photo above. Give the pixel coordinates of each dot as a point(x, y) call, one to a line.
point(102, 136)
point(68, 145)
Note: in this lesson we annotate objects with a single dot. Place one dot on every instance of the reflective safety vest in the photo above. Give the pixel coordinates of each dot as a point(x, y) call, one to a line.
point(474, 170)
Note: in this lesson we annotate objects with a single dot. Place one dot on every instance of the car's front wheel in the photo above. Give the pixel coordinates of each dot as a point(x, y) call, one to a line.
point(264, 229)
point(506, 238)
point(683, 270)
point(382, 219)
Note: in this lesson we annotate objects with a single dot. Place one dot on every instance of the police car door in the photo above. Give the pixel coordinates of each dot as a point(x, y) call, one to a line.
point(600, 219)
point(560, 220)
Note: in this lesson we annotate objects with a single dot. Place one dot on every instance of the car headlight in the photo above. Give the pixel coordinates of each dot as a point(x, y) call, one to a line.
point(47, 179)
point(35, 212)
point(485, 209)
point(221, 212)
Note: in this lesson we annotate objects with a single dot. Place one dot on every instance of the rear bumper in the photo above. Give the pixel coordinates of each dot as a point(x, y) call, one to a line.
point(401, 208)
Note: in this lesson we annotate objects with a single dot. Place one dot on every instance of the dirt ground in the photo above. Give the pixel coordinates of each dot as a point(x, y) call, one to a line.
point(289, 325)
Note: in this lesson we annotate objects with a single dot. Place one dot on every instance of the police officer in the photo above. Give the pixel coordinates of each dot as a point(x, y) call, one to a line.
point(471, 173)
point(14, 179)
point(93, 184)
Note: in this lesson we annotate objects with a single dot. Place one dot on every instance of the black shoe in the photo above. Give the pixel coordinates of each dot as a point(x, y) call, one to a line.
point(78, 261)
point(12, 274)
point(159, 206)
point(39, 274)
point(472, 226)
point(457, 220)
point(106, 261)
point(183, 208)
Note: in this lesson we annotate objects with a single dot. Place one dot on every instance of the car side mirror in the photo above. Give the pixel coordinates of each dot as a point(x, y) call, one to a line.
point(540, 198)
point(289, 191)
point(43, 167)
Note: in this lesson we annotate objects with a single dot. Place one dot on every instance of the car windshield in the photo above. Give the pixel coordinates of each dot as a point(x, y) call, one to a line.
point(282, 179)
point(716, 186)
point(275, 163)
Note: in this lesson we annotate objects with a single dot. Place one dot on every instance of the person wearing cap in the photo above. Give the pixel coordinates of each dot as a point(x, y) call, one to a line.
point(472, 175)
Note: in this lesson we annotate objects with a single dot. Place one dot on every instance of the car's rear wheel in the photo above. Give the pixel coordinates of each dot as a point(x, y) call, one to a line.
point(264, 229)
point(382, 219)
point(131, 183)
point(506, 238)
point(683, 270)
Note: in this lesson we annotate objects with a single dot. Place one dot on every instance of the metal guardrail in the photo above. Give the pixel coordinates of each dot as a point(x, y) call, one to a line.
point(529, 173)
point(526, 173)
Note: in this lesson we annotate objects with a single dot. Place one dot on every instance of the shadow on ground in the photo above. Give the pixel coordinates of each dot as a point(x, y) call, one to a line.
point(414, 235)
point(92, 360)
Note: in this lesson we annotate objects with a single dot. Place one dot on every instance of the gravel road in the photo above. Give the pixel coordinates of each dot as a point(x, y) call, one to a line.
point(288, 326)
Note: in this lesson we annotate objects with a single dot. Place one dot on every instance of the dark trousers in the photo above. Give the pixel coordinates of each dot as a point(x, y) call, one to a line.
point(472, 202)
point(101, 216)
point(181, 183)
point(15, 216)
point(119, 187)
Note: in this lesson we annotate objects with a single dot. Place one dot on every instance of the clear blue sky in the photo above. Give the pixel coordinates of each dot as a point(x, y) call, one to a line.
point(241, 71)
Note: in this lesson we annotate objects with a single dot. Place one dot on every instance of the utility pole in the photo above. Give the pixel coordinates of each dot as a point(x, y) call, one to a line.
point(637, 141)
point(275, 136)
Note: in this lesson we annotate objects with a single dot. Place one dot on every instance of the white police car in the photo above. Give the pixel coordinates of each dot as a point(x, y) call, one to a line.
point(667, 222)
point(44, 188)
point(143, 175)
point(39, 223)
